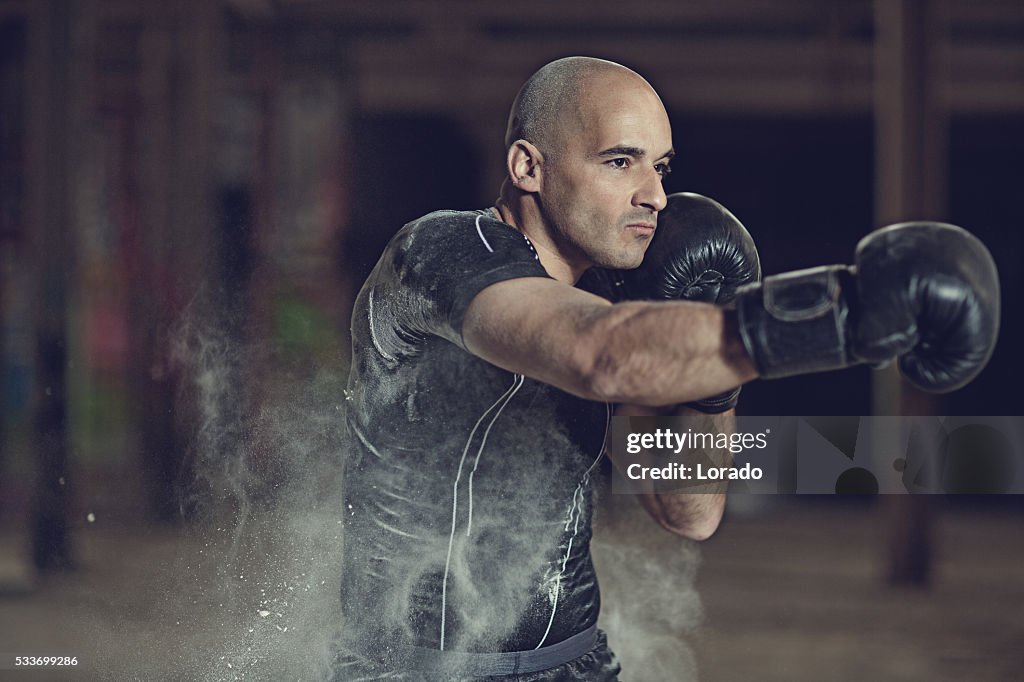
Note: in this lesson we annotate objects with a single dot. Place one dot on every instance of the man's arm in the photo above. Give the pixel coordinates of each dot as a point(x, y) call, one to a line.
point(644, 353)
point(641, 354)
point(696, 512)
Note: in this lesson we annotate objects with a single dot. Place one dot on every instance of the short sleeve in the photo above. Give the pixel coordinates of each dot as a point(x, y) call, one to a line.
point(434, 267)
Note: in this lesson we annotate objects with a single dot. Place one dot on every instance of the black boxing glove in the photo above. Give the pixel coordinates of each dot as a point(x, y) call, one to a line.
point(927, 293)
point(699, 252)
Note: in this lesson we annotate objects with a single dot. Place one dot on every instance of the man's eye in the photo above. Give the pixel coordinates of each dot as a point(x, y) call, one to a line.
point(620, 162)
point(663, 169)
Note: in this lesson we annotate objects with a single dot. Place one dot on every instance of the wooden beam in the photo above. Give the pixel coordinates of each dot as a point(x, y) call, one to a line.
point(544, 12)
point(911, 163)
point(14, 9)
point(257, 11)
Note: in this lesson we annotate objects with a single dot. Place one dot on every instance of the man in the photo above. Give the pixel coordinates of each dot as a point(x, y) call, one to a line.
point(483, 381)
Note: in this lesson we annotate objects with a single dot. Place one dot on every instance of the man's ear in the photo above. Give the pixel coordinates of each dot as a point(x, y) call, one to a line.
point(523, 166)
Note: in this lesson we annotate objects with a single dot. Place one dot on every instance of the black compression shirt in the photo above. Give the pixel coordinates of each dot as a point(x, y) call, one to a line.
point(467, 488)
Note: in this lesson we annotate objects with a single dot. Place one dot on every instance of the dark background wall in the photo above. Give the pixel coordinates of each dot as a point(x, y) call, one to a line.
point(247, 161)
point(192, 192)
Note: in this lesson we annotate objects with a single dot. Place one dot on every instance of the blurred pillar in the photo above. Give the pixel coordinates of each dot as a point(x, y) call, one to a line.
point(177, 85)
point(911, 166)
point(172, 247)
point(154, 406)
point(190, 233)
point(60, 64)
point(308, 146)
point(12, 119)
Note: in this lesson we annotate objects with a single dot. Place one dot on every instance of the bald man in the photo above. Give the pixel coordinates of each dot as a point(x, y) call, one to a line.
point(482, 382)
point(480, 395)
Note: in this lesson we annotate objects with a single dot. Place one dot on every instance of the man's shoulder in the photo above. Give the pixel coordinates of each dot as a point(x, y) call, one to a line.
point(435, 234)
point(446, 219)
point(447, 233)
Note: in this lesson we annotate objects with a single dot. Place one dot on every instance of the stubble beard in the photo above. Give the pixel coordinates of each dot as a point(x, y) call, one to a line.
point(600, 247)
point(580, 242)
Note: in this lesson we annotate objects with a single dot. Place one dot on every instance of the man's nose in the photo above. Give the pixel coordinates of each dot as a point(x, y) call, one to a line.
point(651, 194)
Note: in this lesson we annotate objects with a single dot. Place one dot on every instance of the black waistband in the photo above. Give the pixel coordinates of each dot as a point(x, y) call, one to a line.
point(467, 664)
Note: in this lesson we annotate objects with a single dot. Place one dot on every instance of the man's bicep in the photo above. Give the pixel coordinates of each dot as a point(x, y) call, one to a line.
point(538, 327)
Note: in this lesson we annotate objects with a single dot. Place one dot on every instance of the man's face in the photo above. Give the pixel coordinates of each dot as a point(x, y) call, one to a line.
point(602, 177)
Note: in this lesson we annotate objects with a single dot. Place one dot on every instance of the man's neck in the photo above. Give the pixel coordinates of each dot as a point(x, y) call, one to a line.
point(531, 224)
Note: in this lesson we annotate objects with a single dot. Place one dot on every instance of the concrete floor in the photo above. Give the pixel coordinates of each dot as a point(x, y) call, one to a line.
point(800, 596)
point(792, 594)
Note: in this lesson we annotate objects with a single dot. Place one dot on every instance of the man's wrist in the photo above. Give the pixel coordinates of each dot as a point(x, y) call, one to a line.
point(717, 404)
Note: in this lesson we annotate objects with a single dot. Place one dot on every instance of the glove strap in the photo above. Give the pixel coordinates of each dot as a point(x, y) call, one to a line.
point(796, 322)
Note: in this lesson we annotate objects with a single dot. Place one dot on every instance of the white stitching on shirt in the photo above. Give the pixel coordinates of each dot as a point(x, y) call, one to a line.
point(481, 233)
point(517, 381)
point(476, 463)
point(576, 506)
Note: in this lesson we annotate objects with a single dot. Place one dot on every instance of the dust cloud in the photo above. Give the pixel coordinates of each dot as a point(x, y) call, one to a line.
point(252, 593)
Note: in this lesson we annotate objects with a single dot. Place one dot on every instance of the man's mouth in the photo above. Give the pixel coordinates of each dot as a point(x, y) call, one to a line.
point(641, 228)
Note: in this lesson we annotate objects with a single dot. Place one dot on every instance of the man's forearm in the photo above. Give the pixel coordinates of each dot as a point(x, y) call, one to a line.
point(647, 353)
point(659, 353)
point(695, 511)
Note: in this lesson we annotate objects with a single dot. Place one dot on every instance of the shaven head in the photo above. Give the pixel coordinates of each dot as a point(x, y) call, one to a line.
point(553, 93)
point(589, 142)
